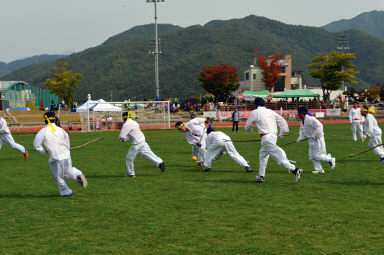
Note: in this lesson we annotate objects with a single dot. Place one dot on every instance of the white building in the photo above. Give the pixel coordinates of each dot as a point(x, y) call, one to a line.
point(252, 80)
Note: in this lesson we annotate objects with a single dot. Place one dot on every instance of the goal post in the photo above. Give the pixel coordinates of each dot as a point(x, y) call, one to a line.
point(103, 116)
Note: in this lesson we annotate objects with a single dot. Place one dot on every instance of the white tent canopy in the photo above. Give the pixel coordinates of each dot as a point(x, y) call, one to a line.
point(98, 106)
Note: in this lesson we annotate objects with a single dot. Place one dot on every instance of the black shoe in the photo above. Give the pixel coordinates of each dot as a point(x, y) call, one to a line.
point(200, 164)
point(207, 169)
point(260, 179)
point(162, 167)
point(130, 176)
point(248, 169)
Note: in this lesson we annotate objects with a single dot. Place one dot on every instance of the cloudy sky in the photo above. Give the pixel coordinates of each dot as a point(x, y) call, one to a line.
point(34, 27)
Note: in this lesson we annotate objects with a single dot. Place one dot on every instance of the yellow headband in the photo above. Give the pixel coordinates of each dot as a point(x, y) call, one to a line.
point(180, 126)
point(370, 109)
point(130, 115)
point(49, 122)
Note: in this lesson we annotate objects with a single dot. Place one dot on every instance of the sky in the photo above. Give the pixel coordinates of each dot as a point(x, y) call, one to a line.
point(35, 27)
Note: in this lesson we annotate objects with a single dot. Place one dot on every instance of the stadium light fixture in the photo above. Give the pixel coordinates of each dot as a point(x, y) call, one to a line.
point(156, 52)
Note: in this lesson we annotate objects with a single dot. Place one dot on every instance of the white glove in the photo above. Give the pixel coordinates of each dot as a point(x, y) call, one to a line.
point(299, 140)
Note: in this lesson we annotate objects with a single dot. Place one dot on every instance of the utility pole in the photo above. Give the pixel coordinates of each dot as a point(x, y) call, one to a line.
point(156, 52)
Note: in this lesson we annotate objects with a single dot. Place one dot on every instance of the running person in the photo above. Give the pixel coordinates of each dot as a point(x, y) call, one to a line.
point(373, 131)
point(56, 143)
point(131, 133)
point(6, 137)
point(217, 143)
point(194, 133)
point(266, 122)
point(311, 128)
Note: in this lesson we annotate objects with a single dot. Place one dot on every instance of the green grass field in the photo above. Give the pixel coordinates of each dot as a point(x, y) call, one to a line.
point(187, 211)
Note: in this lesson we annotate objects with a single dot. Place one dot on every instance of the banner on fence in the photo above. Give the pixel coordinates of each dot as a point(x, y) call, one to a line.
point(227, 115)
point(333, 112)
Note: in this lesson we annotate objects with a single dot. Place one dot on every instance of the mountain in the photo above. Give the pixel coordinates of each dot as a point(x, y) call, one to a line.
point(14, 65)
point(125, 69)
point(371, 23)
point(139, 32)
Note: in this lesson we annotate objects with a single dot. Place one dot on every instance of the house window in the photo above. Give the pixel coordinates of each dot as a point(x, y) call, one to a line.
point(254, 76)
point(247, 76)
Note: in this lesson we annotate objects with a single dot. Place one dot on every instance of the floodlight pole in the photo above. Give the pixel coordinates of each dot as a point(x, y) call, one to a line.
point(342, 44)
point(156, 49)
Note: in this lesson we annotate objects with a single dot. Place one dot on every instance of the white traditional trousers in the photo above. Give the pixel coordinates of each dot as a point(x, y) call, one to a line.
point(269, 148)
point(145, 151)
point(220, 146)
point(199, 152)
point(61, 170)
point(7, 138)
point(357, 127)
point(374, 141)
point(317, 152)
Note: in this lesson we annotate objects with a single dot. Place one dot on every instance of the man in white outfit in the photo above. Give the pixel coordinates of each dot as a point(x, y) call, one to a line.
point(217, 143)
point(56, 143)
point(356, 120)
point(194, 133)
point(6, 137)
point(131, 133)
point(373, 131)
point(311, 128)
point(266, 120)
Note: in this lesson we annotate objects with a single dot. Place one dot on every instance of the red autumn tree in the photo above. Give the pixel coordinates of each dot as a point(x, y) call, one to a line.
point(219, 80)
point(271, 69)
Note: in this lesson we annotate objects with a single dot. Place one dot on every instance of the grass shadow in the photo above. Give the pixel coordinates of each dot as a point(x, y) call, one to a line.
point(8, 159)
point(26, 196)
point(104, 176)
point(357, 183)
point(116, 176)
point(233, 181)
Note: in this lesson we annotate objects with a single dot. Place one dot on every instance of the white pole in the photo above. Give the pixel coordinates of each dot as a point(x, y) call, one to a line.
point(156, 54)
point(164, 114)
point(88, 123)
point(169, 117)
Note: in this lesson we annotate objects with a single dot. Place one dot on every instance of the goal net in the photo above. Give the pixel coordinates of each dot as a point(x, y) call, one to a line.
point(106, 116)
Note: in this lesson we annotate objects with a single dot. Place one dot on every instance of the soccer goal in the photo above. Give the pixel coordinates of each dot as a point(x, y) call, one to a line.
point(106, 116)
